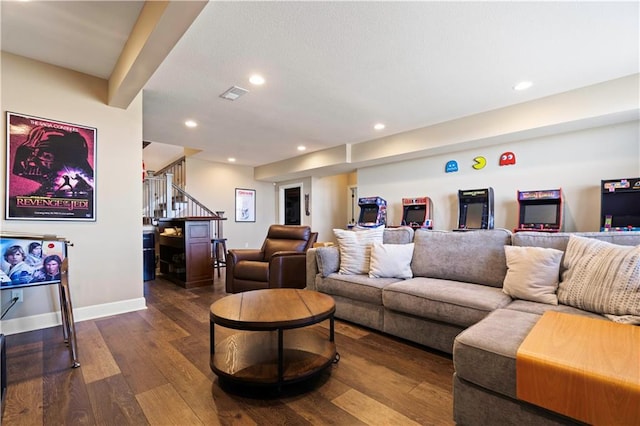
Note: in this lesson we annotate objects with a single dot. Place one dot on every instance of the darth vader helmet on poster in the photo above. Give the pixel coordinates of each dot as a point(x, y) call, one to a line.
point(49, 153)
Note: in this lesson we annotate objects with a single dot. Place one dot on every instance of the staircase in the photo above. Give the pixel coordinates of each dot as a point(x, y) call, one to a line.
point(164, 196)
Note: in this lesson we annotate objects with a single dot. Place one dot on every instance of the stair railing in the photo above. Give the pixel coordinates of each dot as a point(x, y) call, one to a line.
point(164, 199)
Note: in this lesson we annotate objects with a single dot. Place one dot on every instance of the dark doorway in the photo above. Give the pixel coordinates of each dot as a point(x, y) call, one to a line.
point(292, 206)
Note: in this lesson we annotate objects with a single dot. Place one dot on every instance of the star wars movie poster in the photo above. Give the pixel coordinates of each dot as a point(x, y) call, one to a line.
point(26, 262)
point(50, 169)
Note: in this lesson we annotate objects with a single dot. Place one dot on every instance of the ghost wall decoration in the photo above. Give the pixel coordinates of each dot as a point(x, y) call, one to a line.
point(507, 158)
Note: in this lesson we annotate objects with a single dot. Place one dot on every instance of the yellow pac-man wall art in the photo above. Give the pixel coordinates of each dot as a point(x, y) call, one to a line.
point(480, 163)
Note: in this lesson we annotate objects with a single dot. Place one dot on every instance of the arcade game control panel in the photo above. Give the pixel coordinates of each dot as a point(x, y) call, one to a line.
point(540, 211)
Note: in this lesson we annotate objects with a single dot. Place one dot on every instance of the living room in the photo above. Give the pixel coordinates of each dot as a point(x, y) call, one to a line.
point(571, 140)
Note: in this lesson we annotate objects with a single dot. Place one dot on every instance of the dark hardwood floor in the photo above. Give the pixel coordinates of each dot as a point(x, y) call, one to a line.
point(152, 367)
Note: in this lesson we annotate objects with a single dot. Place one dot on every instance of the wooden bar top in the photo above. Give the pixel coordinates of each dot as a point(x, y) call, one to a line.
point(584, 368)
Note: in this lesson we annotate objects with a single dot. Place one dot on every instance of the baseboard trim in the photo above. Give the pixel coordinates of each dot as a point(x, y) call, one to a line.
point(52, 319)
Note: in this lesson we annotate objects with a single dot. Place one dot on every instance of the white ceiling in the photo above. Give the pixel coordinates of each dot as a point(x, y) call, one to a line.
point(334, 69)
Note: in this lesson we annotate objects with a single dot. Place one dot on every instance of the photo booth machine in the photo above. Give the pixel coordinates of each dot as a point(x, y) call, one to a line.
point(475, 209)
point(540, 211)
point(417, 212)
point(373, 211)
point(620, 205)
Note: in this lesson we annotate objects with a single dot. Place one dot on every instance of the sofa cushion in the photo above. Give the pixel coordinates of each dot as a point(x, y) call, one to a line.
point(485, 353)
point(328, 260)
point(453, 302)
point(473, 256)
point(399, 235)
point(602, 277)
point(355, 249)
point(391, 260)
point(541, 308)
point(357, 287)
point(560, 240)
point(533, 273)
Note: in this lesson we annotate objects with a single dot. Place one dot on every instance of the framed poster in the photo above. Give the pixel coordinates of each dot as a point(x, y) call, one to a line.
point(27, 262)
point(245, 205)
point(50, 169)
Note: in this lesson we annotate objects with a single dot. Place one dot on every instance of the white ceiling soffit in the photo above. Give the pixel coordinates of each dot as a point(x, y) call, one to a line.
point(85, 36)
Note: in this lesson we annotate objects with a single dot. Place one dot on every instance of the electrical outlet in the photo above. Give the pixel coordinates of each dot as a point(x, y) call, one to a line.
point(18, 294)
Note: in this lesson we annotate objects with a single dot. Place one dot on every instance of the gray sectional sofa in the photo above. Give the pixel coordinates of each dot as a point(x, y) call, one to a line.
point(455, 303)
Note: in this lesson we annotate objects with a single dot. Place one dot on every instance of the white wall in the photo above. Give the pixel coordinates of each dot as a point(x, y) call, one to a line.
point(575, 161)
point(213, 184)
point(105, 263)
point(329, 202)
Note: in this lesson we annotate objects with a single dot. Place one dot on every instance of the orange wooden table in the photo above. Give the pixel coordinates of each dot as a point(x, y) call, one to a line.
point(585, 368)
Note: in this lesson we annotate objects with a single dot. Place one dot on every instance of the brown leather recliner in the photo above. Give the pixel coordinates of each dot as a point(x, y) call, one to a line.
point(281, 262)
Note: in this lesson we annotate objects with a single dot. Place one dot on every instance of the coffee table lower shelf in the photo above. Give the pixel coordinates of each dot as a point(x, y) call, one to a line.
point(252, 357)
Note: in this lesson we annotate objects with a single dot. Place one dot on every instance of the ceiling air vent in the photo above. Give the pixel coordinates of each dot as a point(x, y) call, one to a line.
point(234, 93)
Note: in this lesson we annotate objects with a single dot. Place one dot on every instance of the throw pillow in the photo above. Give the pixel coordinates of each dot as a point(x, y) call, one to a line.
point(391, 260)
point(602, 277)
point(532, 273)
point(355, 249)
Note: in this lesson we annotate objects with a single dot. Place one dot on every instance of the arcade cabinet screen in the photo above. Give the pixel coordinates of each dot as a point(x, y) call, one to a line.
point(474, 216)
point(369, 214)
point(540, 214)
point(624, 208)
point(414, 215)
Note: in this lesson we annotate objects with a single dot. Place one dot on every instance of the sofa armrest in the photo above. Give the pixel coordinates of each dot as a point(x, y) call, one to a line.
point(287, 269)
point(312, 268)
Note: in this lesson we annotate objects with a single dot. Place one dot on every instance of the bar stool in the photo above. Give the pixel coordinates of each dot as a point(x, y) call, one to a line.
point(219, 253)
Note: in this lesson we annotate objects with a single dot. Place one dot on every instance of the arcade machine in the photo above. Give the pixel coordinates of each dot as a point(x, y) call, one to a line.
point(540, 211)
point(475, 209)
point(620, 205)
point(417, 212)
point(373, 212)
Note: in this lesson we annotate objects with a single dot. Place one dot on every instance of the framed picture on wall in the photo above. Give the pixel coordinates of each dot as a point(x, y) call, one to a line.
point(50, 169)
point(245, 205)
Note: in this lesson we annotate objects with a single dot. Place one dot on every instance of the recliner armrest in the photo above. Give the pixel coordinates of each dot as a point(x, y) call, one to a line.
point(237, 255)
point(287, 269)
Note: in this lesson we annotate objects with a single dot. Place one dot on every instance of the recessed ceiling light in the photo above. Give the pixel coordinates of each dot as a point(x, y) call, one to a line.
point(523, 85)
point(302, 148)
point(190, 123)
point(379, 126)
point(256, 79)
point(231, 160)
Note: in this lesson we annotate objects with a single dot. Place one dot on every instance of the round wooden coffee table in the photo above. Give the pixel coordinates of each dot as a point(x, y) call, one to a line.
point(276, 345)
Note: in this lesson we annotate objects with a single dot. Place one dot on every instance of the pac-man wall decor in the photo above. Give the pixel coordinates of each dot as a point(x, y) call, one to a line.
point(452, 166)
point(480, 162)
point(507, 158)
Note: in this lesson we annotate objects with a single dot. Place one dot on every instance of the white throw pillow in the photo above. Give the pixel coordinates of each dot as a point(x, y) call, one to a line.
point(602, 277)
point(355, 249)
point(391, 260)
point(532, 273)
